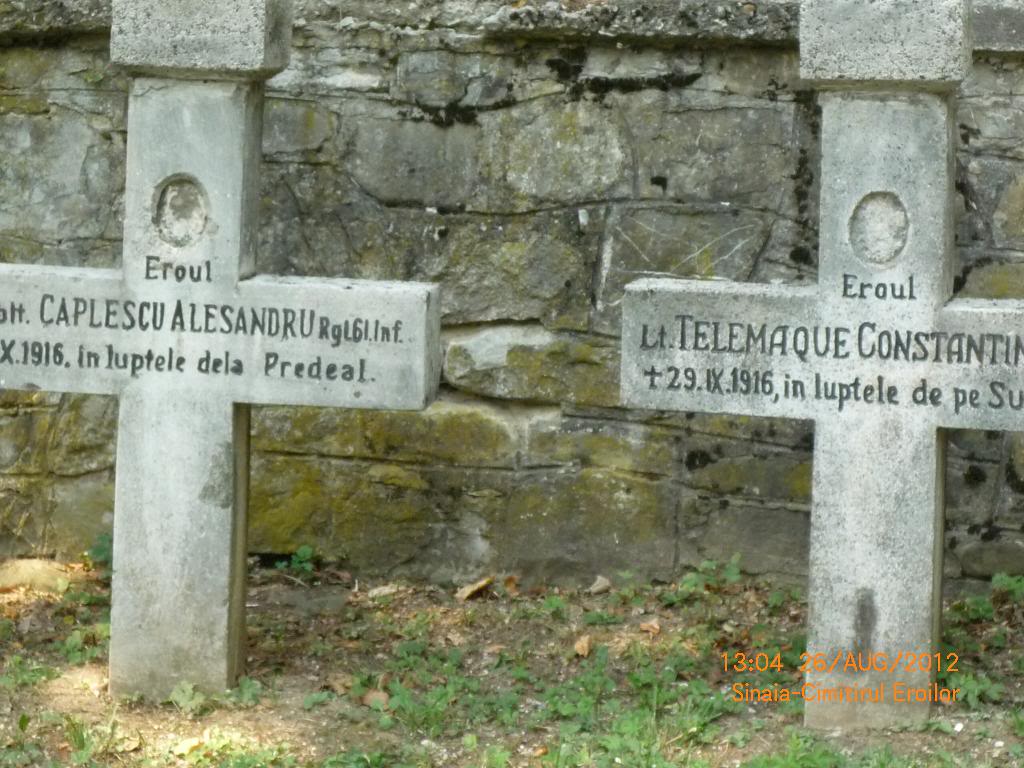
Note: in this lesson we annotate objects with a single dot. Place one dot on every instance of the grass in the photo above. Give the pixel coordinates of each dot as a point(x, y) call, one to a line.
point(413, 678)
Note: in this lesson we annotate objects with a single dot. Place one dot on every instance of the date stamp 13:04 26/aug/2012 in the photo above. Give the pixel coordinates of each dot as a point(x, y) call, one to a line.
point(879, 691)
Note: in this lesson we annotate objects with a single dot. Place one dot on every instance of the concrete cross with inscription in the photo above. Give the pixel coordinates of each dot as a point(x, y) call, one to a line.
point(876, 354)
point(187, 336)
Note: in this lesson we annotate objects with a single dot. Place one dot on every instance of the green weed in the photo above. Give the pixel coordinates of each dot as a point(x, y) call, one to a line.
point(188, 700)
point(360, 760)
point(100, 556)
point(580, 697)
point(975, 689)
point(1012, 587)
point(316, 699)
point(246, 694)
point(221, 750)
point(19, 751)
point(600, 619)
point(971, 611)
point(85, 645)
point(556, 607)
point(709, 576)
point(301, 565)
point(19, 673)
point(802, 751)
point(1017, 723)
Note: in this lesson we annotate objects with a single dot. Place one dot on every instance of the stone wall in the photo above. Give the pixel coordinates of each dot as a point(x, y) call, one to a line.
point(532, 159)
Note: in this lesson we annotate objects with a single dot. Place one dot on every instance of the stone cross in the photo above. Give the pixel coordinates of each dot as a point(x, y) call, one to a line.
point(877, 353)
point(187, 336)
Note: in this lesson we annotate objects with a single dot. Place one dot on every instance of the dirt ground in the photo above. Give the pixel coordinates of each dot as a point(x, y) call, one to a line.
point(342, 673)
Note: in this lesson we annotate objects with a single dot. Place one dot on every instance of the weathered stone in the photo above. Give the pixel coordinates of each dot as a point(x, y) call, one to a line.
point(771, 22)
point(376, 519)
point(669, 240)
point(777, 477)
point(399, 162)
point(430, 78)
point(549, 153)
point(1003, 554)
point(553, 524)
point(61, 206)
point(14, 400)
point(82, 509)
point(302, 232)
point(887, 40)
point(972, 445)
point(554, 440)
point(495, 268)
point(22, 441)
point(995, 281)
point(332, 61)
point(451, 431)
point(296, 130)
point(231, 37)
point(767, 540)
point(532, 364)
point(26, 18)
point(83, 436)
point(1006, 221)
point(693, 149)
point(74, 192)
point(739, 431)
point(513, 269)
point(970, 485)
point(573, 523)
point(23, 515)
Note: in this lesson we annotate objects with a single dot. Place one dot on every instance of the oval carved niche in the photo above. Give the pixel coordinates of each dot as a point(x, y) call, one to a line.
point(180, 211)
point(878, 228)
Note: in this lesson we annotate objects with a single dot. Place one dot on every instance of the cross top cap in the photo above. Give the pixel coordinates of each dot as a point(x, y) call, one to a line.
point(923, 43)
point(244, 39)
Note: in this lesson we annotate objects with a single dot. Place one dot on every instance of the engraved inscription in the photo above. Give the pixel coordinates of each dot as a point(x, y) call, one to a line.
point(883, 364)
point(878, 228)
point(156, 335)
point(855, 288)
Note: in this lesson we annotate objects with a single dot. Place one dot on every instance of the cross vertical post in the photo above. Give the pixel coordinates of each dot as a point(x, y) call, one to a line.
point(888, 169)
point(194, 146)
point(876, 354)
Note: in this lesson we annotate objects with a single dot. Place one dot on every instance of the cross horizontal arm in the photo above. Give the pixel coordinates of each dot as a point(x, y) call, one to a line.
point(345, 343)
point(977, 351)
point(386, 335)
point(690, 345)
point(37, 351)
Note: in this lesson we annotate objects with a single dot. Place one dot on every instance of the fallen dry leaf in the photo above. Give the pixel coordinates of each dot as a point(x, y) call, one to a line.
point(340, 682)
point(540, 751)
point(474, 589)
point(131, 743)
point(512, 585)
point(582, 646)
point(341, 577)
point(376, 699)
point(652, 627)
point(187, 746)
